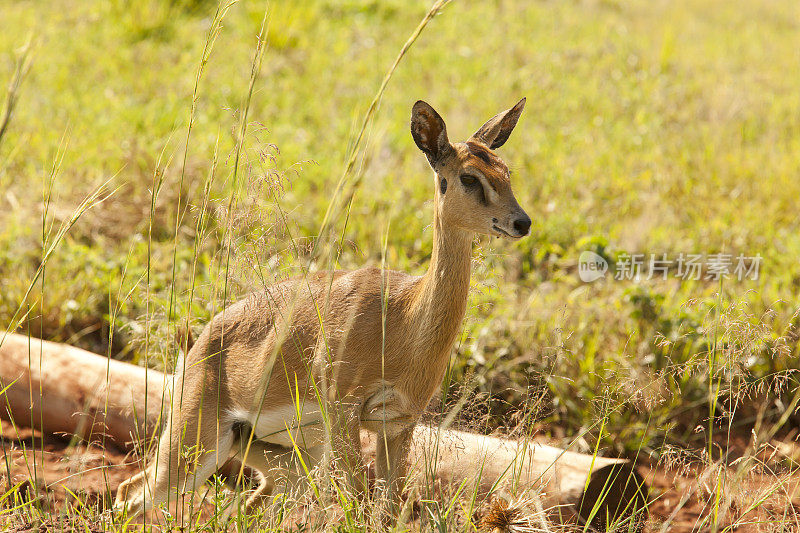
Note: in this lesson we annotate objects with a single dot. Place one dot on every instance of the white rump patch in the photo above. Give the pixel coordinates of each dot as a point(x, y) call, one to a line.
point(282, 426)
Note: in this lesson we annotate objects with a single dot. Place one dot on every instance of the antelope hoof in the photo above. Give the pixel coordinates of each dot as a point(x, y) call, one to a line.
point(126, 505)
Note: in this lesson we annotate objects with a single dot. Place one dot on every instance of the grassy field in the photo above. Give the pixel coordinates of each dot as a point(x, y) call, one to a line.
point(650, 128)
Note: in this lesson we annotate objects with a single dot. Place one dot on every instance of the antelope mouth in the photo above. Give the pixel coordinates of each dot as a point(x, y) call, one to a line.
point(504, 233)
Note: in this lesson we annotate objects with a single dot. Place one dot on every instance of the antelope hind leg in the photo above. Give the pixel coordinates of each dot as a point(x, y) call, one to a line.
point(188, 453)
point(277, 466)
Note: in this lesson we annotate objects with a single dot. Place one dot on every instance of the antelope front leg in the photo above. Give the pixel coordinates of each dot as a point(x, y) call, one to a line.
point(345, 445)
point(390, 460)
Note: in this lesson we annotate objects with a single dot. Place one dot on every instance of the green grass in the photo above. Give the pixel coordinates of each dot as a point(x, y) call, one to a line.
point(649, 128)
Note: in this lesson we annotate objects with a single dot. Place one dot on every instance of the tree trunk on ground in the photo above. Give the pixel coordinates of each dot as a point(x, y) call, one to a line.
point(65, 390)
point(61, 389)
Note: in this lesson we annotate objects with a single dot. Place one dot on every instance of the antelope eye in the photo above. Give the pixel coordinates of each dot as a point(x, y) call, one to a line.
point(473, 185)
point(469, 181)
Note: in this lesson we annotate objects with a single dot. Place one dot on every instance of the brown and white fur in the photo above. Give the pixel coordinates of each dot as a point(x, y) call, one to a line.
point(305, 364)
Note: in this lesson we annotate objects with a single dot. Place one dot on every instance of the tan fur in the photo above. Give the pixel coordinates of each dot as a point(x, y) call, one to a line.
point(365, 349)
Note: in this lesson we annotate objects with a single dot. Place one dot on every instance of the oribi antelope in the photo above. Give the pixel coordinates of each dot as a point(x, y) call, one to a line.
point(306, 363)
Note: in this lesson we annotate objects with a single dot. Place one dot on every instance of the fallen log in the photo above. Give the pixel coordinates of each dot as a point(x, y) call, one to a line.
point(599, 489)
point(61, 389)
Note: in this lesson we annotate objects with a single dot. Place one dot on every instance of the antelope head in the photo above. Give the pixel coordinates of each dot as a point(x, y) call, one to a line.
point(473, 189)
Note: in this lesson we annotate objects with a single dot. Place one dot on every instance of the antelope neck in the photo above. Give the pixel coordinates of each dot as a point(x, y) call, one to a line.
point(441, 298)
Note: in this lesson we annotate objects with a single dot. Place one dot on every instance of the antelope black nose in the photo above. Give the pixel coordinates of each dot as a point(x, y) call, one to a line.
point(522, 225)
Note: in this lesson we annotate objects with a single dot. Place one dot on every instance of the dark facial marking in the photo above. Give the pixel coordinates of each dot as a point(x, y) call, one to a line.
point(480, 152)
point(443, 186)
point(495, 169)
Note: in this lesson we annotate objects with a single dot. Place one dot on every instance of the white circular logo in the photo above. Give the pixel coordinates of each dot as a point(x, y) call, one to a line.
point(591, 266)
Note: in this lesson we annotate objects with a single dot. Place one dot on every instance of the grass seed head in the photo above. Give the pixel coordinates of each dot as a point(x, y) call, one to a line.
point(503, 517)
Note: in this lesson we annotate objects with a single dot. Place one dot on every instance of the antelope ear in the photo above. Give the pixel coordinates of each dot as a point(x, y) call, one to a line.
point(429, 132)
point(495, 132)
